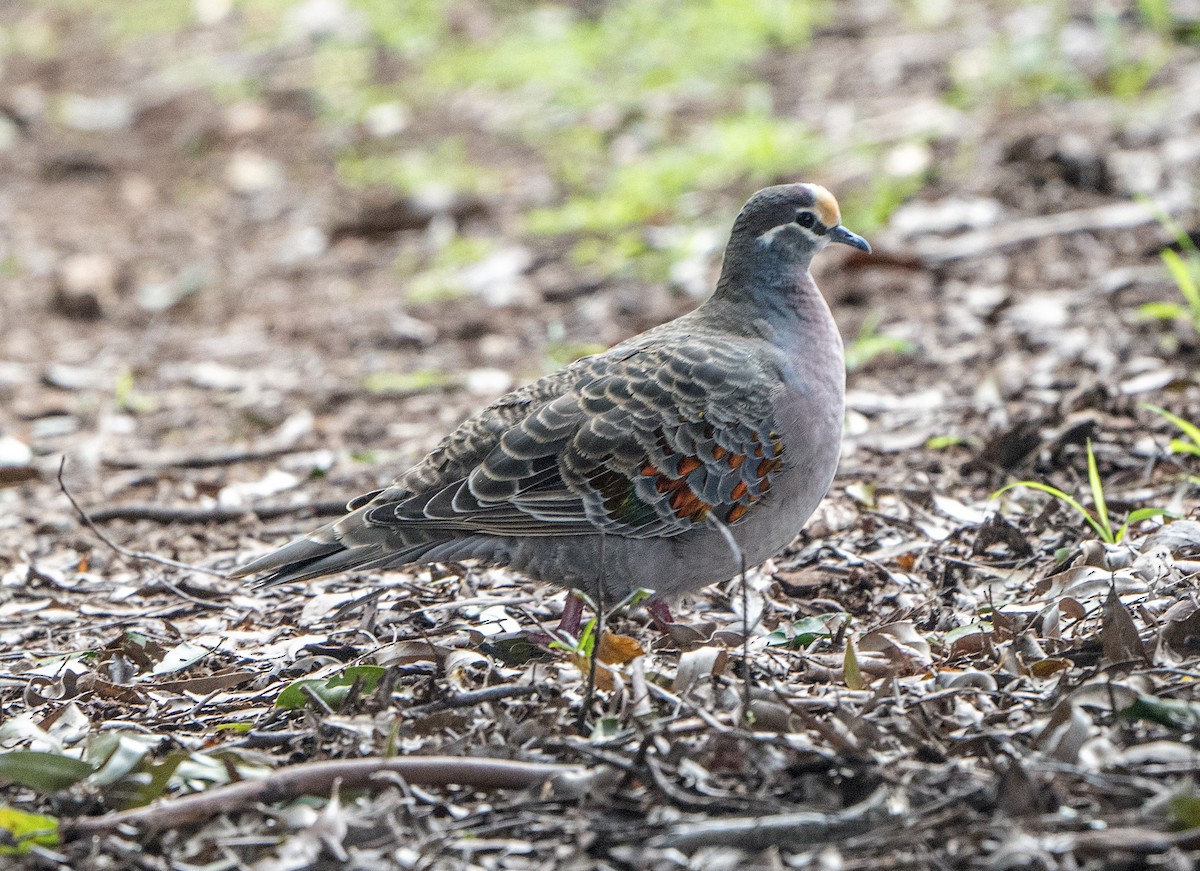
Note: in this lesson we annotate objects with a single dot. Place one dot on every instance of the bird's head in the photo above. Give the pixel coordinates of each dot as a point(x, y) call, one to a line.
point(794, 221)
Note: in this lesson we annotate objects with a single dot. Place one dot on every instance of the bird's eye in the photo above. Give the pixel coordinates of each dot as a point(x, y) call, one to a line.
point(807, 220)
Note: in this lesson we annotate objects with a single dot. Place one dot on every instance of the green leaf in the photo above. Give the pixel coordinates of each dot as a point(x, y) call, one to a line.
point(803, 632)
point(1172, 713)
point(940, 443)
point(1184, 811)
point(1161, 311)
point(421, 381)
point(514, 651)
point(151, 782)
point(332, 690)
point(854, 678)
point(27, 830)
point(1098, 494)
point(45, 772)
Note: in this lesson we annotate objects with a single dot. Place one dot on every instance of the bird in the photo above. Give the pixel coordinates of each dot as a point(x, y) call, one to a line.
point(669, 462)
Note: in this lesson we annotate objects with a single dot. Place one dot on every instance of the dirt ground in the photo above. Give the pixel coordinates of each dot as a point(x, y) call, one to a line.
point(223, 336)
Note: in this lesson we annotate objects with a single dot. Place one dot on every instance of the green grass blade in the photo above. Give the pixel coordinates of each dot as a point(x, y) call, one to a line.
point(1188, 428)
point(1062, 497)
point(1181, 274)
point(1140, 514)
point(1098, 493)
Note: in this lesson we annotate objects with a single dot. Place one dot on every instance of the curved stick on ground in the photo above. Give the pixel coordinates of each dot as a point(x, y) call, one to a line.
point(317, 778)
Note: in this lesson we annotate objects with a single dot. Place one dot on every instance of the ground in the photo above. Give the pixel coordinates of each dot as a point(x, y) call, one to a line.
point(257, 257)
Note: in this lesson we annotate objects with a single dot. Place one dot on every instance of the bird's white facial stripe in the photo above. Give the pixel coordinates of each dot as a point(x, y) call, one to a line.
point(770, 237)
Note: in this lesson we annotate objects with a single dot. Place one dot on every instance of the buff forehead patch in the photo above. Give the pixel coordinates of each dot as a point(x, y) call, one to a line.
point(826, 206)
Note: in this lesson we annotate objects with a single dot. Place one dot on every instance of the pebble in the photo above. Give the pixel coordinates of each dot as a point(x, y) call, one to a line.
point(96, 114)
point(499, 279)
point(386, 120)
point(14, 452)
point(486, 381)
point(249, 172)
point(85, 286)
point(162, 295)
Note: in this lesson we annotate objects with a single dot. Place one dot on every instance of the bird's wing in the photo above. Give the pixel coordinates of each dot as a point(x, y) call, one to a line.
point(643, 440)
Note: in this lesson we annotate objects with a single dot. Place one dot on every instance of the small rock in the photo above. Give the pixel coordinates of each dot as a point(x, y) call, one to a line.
point(245, 492)
point(910, 158)
point(161, 295)
point(317, 19)
point(210, 12)
point(306, 243)
point(407, 329)
point(67, 377)
point(27, 102)
point(8, 133)
point(245, 117)
point(488, 382)
point(96, 114)
point(499, 279)
point(14, 452)
point(386, 119)
point(210, 375)
point(85, 286)
point(1135, 172)
point(945, 216)
point(249, 172)
point(53, 426)
point(138, 192)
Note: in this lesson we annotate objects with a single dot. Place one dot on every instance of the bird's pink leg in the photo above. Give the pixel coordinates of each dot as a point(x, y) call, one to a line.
point(572, 616)
point(660, 611)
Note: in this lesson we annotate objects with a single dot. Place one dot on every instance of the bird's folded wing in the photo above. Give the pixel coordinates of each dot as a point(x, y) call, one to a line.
point(638, 442)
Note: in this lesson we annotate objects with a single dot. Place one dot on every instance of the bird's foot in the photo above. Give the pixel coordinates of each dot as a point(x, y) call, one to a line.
point(572, 616)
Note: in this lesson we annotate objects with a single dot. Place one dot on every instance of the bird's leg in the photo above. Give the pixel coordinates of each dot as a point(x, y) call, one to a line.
point(739, 557)
point(572, 615)
point(660, 612)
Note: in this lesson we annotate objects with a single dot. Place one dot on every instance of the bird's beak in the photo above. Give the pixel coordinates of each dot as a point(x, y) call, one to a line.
point(841, 234)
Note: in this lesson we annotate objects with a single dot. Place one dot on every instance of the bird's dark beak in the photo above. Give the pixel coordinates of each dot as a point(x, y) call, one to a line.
point(841, 234)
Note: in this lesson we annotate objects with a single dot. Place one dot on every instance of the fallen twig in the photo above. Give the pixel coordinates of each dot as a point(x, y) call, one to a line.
point(475, 697)
point(1117, 216)
point(757, 833)
point(136, 554)
point(202, 461)
point(317, 778)
point(215, 514)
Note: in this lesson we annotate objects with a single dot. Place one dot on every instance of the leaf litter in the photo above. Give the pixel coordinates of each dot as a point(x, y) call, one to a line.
point(934, 677)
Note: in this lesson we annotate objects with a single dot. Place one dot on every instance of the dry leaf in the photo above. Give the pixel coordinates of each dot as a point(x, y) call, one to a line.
point(697, 664)
point(618, 649)
point(1044, 668)
point(1118, 633)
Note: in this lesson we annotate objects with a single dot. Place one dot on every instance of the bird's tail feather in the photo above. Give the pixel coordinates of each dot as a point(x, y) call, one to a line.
point(308, 558)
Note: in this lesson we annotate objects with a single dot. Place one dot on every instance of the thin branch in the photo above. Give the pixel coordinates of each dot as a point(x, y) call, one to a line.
point(317, 778)
point(136, 554)
point(975, 243)
point(759, 832)
point(215, 514)
point(473, 698)
point(203, 461)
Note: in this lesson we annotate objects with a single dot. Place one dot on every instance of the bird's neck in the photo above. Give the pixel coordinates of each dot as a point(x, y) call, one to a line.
point(769, 298)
